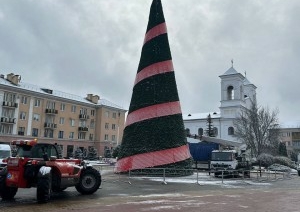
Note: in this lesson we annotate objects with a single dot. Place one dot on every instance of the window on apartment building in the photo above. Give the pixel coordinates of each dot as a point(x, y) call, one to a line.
point(71, 135)
point(73, 108)
point(106, 137)
point(113, 127)
point(82, 123)
point(10, 97)
point(296, 143)
point(106, 126)
point(113, 137)
point(72, 122)
point(22, 115)
point(8, 113)
point(35, 132)
point(81, 135)
point(37, 102)
point(60, 134)
point(83, 111)
point(6, 129)
point(48, 133)
point(107, 114)
point(91, 137)
point(24, 100)
point(36, 117)
point(114, 115)
point(21, 131)
point(62, 107)
point(50, 119)
point(50, 105)
point(61, 120)
point(92, 124)
point(92, 112)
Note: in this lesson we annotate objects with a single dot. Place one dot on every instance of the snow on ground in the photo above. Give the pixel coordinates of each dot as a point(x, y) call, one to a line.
point(204, 179)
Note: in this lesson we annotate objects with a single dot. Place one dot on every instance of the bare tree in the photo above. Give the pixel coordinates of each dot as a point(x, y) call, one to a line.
point(258, 128)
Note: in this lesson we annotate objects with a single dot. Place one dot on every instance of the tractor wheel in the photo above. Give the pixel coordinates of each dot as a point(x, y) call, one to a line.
point(6, 193)
point(90, 181)
point(43, 188)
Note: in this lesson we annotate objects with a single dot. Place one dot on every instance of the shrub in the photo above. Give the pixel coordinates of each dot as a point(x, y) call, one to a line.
point(282, 160)
point(285, 161)
point(265, 159)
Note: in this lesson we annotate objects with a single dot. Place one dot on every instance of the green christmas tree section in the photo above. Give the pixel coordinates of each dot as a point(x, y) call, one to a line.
point(157, 133)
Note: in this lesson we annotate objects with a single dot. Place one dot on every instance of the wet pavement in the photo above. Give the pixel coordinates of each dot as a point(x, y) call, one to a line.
point(142, 194)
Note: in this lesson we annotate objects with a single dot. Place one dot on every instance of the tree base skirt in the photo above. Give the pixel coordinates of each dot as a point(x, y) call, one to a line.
point(182, 168)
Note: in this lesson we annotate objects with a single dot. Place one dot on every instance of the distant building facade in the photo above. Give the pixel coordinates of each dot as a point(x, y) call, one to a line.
point(290, 135)
point(236, 94)
point(33, 112)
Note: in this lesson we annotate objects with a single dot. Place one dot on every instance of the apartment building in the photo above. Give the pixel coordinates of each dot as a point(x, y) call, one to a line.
point(33, 112)
point(290, 135)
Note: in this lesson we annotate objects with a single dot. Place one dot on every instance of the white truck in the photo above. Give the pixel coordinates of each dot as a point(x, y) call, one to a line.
point(229, 163)
point(5, 152)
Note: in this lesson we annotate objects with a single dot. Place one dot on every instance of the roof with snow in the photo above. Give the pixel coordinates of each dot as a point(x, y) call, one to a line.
point(230, 71)
point(193, 116)
point(290, 124)
point(246, 81)
point(56, 93)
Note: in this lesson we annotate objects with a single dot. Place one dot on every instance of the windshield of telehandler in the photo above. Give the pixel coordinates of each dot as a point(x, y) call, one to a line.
point(24, 151)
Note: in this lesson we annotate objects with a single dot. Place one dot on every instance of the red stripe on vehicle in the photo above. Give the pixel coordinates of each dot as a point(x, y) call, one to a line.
point(154, 111)
point(155, 31)
point(156, 68)
point(152, 159)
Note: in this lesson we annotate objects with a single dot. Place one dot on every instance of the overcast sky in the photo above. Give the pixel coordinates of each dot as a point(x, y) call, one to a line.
point(94, 46)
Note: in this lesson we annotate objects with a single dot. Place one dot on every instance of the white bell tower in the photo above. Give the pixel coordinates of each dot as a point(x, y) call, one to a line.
point(236, 92)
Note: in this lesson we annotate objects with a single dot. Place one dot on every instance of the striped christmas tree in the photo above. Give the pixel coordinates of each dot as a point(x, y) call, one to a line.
point(154, 134)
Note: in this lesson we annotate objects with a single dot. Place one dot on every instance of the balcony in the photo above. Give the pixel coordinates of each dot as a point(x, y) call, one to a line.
point(50, 125)
point(83, 129)
point(51, 111)
point(84, 116)
point(5, 120)
point(9, 104)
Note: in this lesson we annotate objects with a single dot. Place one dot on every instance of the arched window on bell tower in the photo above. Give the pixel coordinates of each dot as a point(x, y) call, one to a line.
point(230, 93)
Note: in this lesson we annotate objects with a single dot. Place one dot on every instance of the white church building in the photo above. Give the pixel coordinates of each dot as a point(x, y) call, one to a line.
point(236, 93)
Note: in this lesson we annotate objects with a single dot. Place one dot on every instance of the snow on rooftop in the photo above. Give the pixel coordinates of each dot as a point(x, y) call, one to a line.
point(56, 93)
point(246, 81)
point(193, 116)
point(290, 124)
point(230, 71)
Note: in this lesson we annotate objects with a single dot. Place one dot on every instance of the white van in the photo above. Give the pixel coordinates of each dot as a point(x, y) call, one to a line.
point(5, 152)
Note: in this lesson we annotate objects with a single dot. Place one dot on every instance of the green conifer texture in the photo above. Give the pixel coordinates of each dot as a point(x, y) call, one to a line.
point(158, 133)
